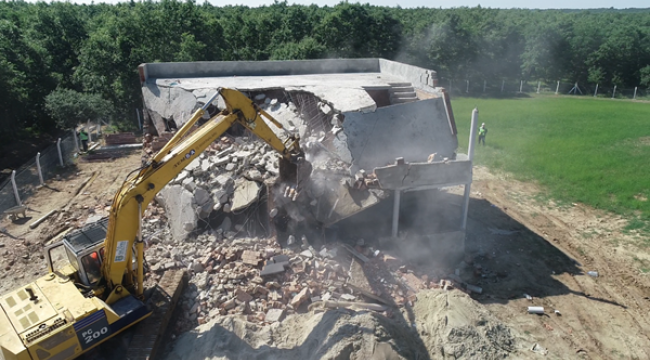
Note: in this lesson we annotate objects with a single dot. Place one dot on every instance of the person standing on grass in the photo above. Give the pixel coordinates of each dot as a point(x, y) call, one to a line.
point(83, 136)
point(482, 131)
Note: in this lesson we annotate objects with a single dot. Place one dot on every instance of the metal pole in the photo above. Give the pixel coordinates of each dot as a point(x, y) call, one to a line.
point(503, 83)
point(596, 91)
point(58, 146)
point(484, 83)
point(38, 167)
point(634, 97)
point(396, 204)
point(13, 184)
point(521, 85)
point(614, 92)
point(76, 141)
point(539, 83)
point(470, 155)
point(557, 88)
point(450, 86)
point(467, 90)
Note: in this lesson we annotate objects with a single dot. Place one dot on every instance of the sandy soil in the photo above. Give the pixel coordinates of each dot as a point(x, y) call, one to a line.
point(522, 242)
point(94, 184)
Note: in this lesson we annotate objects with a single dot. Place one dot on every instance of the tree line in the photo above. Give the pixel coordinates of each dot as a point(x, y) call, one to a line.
point(61, 63)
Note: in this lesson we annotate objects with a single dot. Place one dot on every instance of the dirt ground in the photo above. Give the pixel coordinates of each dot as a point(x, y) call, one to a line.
point(523, 244)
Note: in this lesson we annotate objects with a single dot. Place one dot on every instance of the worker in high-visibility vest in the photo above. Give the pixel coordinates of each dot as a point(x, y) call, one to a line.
point(83, 136)
point(482, 131)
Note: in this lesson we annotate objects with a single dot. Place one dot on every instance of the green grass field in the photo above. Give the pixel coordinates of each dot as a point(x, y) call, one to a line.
point(581, 149)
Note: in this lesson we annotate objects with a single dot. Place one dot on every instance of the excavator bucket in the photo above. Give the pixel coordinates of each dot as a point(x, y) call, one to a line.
point(288, 171)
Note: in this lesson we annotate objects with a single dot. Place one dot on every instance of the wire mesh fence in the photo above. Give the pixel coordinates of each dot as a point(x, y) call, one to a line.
point(477, 87)
point(27, 178)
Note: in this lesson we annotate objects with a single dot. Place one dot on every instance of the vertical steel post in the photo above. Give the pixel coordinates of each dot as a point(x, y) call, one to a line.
point(484, 83)
point(467, 90)
point(38, 167)
point(58, 147)
point(503, 83)
point(539, 84)
point(557, 88)
point(13, 184)
point(521, 85)
point(396, 205)
point(137, 113)
point(470, 155)
point(614, 92)
point(634, 97)
point(596, 91)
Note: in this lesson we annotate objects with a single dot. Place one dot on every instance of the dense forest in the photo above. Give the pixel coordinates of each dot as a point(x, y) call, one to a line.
point(62, 62)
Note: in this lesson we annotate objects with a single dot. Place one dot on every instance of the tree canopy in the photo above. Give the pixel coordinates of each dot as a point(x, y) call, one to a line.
point(50, 52)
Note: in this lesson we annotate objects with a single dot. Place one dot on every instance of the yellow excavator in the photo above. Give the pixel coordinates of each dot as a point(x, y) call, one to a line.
point(95, 290)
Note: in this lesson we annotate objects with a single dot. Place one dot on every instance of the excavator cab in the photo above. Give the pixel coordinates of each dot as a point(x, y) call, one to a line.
point(80, 254)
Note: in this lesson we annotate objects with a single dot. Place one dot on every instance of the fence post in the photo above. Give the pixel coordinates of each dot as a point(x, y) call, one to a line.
point(467, 90)
point(521, 85)
point(450, 86)
point(557, 88)
point(484, 83)
point(614, 92)
point(76, 141)
point(634, 97)
point(90, 136)
point(13, 184)
point(137, 113)
point(539, 83)
point(58, 146)
point(596, 91)
point(503, 83)
point(38, 167)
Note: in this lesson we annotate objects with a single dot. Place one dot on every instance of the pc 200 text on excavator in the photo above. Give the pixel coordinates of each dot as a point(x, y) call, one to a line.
point(99, 290)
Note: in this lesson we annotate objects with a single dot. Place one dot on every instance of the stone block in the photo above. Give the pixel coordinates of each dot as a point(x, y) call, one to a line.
point(246, 193)
point(274, 315)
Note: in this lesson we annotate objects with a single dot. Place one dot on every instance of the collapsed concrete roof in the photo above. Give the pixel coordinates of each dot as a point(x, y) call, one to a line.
point(387, 109)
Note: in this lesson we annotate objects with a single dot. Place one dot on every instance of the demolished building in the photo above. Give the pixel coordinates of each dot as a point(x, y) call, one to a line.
point(377, 126)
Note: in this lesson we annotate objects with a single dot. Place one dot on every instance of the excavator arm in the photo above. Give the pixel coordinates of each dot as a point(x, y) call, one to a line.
point(138, 190)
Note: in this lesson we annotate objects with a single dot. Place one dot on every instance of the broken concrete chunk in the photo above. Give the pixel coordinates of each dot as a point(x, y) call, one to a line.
point(274, 315)
point(246, 193)
point(303, 295)
point(251, 257)
point(308, 254)
point(272, 268)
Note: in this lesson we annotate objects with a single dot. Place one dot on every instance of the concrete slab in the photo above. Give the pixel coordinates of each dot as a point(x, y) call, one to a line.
point(417, 175)
point(246, 193)
point(177, 201)
point(412, 131)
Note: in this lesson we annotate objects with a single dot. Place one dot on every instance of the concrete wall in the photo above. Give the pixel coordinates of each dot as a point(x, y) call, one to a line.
point(413, 176)
point(411, 130)
point(421, 78)
point(257, 68)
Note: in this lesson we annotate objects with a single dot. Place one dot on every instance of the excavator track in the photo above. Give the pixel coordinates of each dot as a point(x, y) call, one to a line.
point(150, 332)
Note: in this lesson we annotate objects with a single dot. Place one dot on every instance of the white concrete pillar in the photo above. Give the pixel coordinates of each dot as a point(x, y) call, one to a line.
point(58, 147)
point(596, 91)
point(38, 167)
point(557, 88)
point(539, 84)
point(470, 155)
point(614, 92)
point(13, 184)
point(484, 84)
point(521, 85)
point(634, 97)
point(503, 84)
point(396, 205)
point(76, 141)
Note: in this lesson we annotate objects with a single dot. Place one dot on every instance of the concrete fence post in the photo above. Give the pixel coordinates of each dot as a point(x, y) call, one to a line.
point(58, 147)
point(557, 88)
point(484, 83)
point(521, 85)
point(13, 184)
point(503, 84)
point(76, 141)
point(614, 92)
point(90, 136)
point(634, 97)
point(539, 84)
point(467, 90)
point(396, 206)
point(596, 91)
point(137, 113)
point(38, 167)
